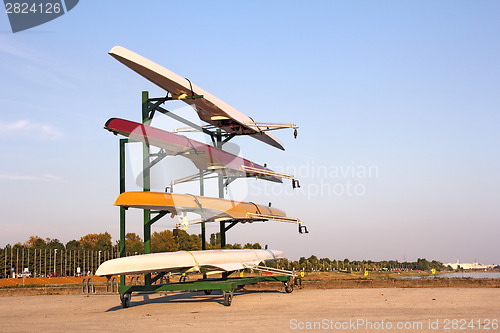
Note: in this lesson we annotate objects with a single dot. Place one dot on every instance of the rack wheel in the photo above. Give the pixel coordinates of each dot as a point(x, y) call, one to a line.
point(288, 287)
point(125, 299)
point(228, 297)
point(207, 292)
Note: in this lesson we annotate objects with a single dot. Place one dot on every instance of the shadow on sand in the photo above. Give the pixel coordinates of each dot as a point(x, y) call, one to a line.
point(183, 297)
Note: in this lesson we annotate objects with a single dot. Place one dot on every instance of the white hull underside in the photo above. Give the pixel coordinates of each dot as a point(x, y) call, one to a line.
point(188, 261)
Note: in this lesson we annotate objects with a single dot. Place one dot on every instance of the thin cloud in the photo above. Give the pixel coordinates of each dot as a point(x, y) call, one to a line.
point(28, 128)
point(34, 64)
point(45, 177)
point(18, 50)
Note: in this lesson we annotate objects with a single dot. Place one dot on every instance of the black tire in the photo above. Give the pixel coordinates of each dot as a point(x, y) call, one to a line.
point(207, 292)
point(125, 299)
point(228, 298)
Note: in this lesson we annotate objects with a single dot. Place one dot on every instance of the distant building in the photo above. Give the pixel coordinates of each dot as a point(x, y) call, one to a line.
point(474, 265)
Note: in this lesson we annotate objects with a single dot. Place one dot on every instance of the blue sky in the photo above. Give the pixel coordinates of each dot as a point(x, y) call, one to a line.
point(409, 90)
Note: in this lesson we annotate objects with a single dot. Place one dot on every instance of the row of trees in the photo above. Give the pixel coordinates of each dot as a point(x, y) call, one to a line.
point(47, 256)
point(164, 241)
point(43, 257)
point(314, 263)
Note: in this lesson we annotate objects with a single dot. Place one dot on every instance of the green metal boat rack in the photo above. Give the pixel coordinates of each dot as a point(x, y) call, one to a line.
point(226, 284)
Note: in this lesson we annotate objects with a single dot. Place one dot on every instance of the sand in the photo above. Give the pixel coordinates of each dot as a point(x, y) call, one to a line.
point(360, 310)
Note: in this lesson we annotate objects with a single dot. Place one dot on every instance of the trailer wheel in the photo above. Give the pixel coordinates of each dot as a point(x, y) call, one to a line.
point(207, 292)
point(228, 297)
point(125, 299)
point(288, 287)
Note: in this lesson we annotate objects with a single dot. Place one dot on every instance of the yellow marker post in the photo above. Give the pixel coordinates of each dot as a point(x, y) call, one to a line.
point(302, 274)
point(433, 271)
point(366, 273)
